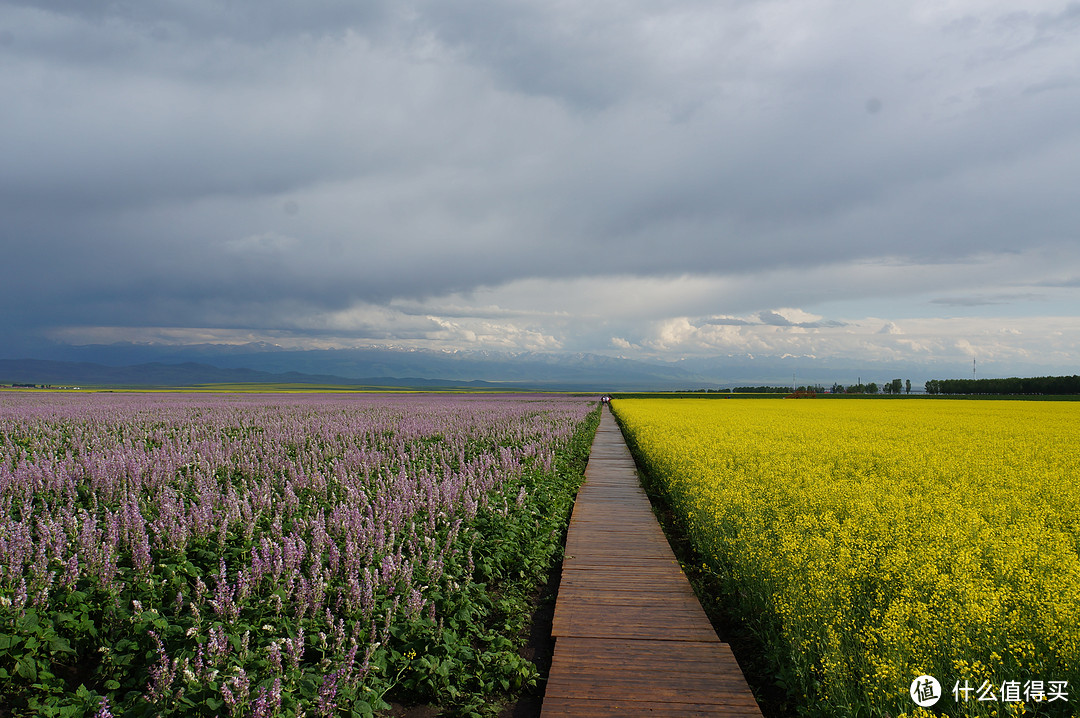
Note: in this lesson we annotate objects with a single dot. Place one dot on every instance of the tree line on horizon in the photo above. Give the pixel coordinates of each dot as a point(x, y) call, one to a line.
point(1042, 385)
point(896, 386)
point(1011, 385)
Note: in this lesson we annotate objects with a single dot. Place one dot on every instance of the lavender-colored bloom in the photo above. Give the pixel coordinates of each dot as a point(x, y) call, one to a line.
point(217, 648)
point(274, 649)
point(415, 603)
point(326, 702)
point(267, 700)
point(235, 691)
point(294, 649)
point(163, 673)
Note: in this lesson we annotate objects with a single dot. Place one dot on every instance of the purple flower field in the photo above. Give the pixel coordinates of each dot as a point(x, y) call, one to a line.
point(239, 554)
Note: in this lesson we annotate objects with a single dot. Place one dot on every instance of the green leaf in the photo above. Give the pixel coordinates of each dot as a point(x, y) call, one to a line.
point(59, 644)
point(27, 668)
point(112, 685)
point(29, 622)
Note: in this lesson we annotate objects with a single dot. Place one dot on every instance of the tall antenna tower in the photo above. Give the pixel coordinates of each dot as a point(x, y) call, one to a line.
point(973, 375)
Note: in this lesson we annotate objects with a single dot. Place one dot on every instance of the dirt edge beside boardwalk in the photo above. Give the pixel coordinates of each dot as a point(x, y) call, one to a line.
point(540, 647)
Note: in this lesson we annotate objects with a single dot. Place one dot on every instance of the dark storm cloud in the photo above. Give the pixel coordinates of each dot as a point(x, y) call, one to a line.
point(252, 164)
point(246, 20)
point(577, 53)
point(985, 300)
point(727, 322)
point(1074, 282)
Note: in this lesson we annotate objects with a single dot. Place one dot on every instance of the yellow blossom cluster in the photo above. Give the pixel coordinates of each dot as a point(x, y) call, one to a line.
point(868, 543)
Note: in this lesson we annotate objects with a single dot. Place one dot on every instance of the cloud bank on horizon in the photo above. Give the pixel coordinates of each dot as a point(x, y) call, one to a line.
point(823, 179)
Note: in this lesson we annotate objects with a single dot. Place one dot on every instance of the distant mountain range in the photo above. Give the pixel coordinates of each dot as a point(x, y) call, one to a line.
point(168, 365)
point(60, 373)
point(173, 366)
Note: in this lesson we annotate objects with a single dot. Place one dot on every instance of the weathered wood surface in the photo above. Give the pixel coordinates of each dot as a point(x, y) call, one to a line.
point(630, 636)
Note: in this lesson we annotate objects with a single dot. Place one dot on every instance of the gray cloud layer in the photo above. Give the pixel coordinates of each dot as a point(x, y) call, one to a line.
point(262, 165)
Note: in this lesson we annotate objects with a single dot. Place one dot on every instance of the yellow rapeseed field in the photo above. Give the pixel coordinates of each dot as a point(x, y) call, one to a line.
point(868, 543)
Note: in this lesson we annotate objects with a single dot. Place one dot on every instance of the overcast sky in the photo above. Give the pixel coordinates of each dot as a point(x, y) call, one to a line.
point(664, 179)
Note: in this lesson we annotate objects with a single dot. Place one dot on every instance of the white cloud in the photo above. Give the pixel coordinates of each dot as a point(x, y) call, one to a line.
point(891, 328)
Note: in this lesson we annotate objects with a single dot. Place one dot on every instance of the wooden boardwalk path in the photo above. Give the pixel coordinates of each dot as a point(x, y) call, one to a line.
point(630, 636)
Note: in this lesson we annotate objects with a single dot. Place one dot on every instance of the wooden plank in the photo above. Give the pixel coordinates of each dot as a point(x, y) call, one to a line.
point(643, 611)
point(584, 593)
point(577, 584)
point(691, 675)
point(635, 622)
point(673, 631)
point(625, 577)
point(621, 708)
point(616, 557)
point(623, 597)
point(706, 659)
point(613, 686)
point(632, 573)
